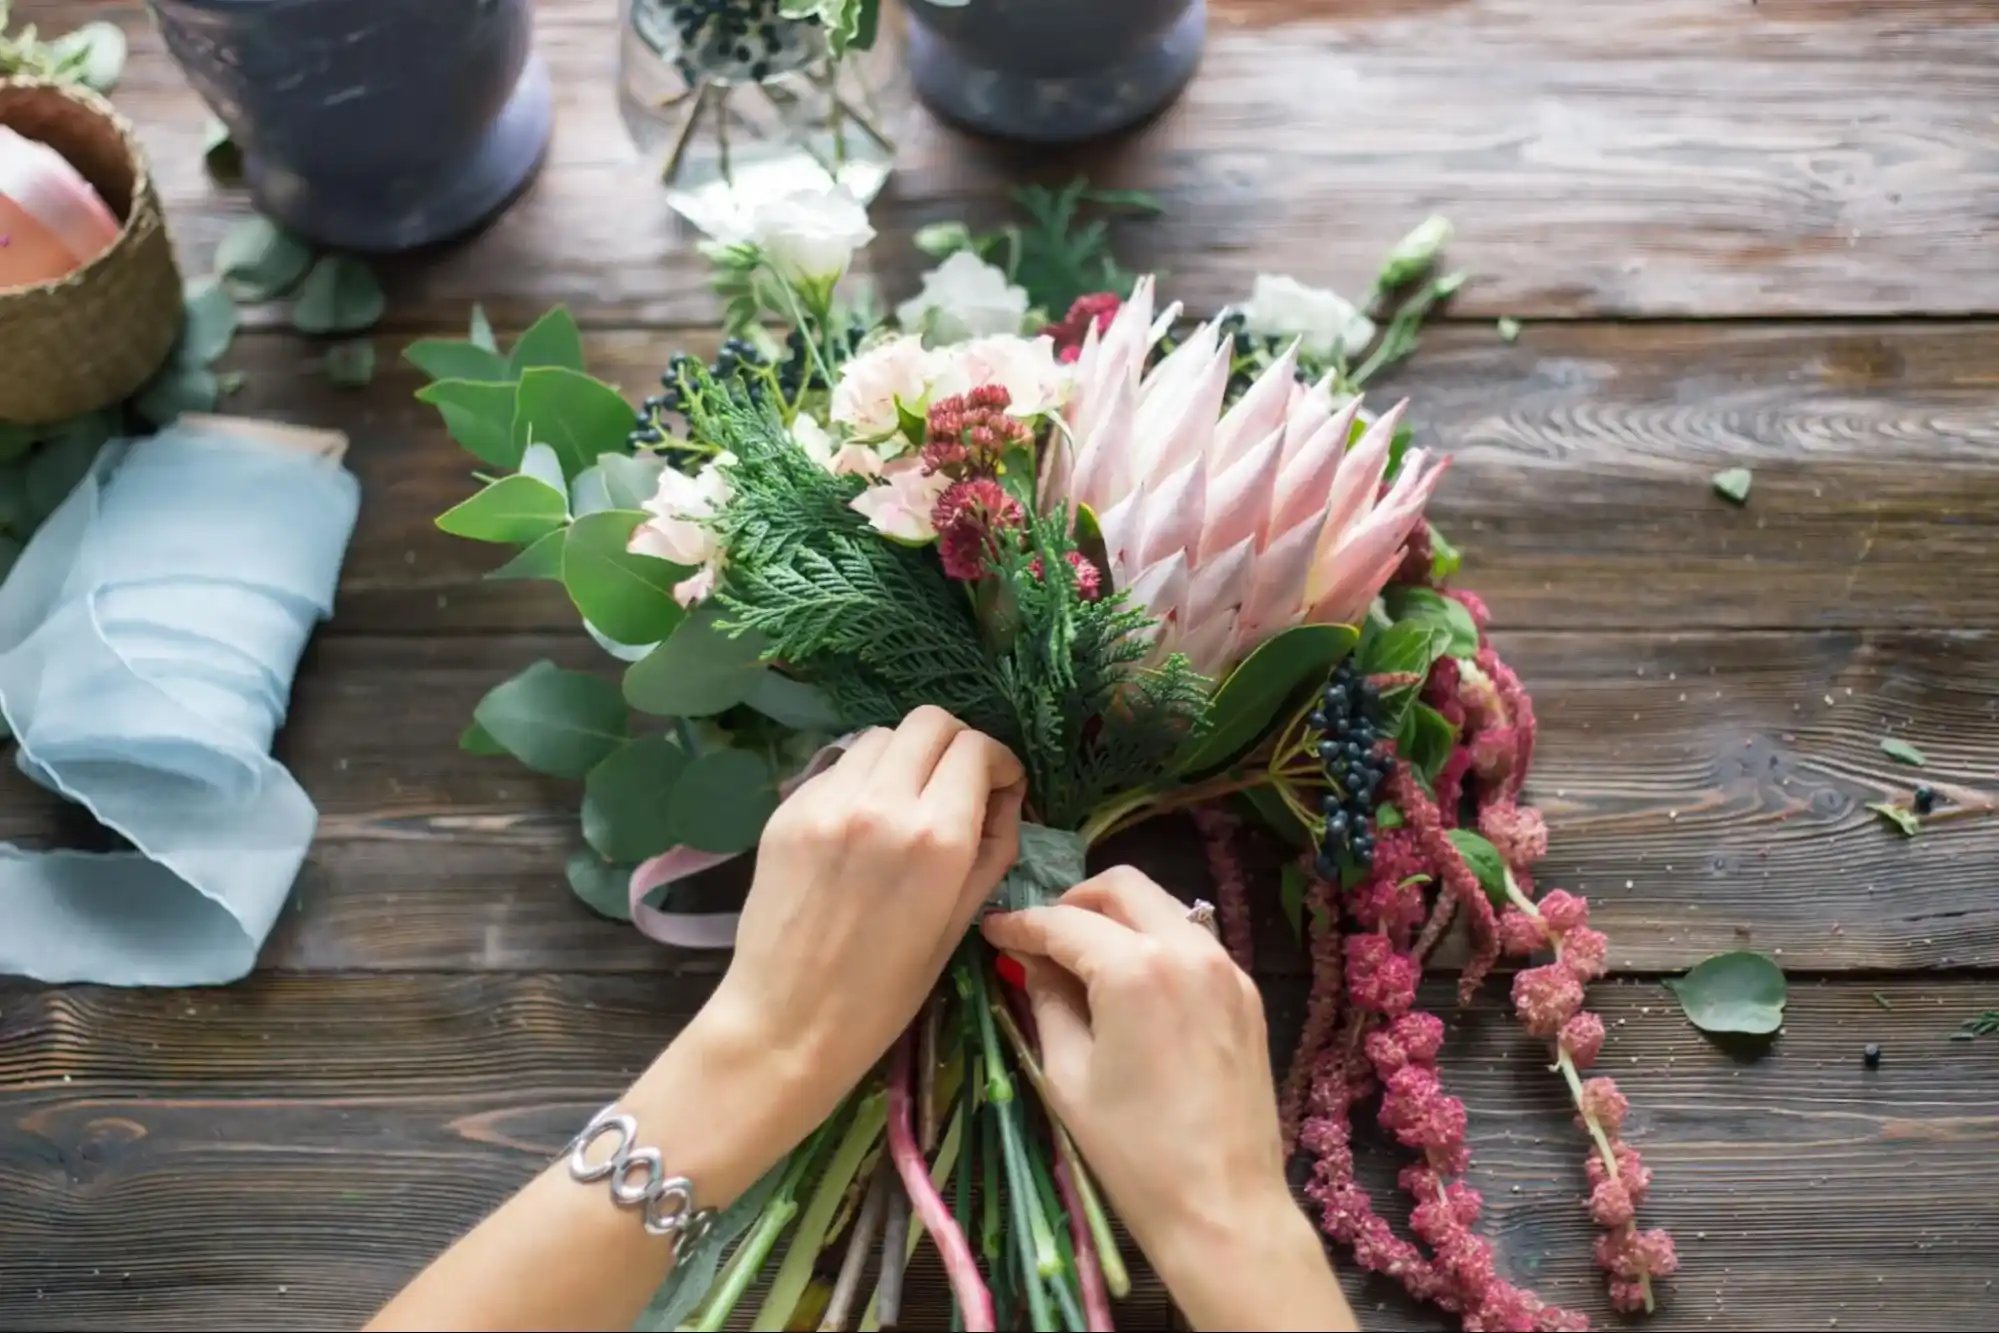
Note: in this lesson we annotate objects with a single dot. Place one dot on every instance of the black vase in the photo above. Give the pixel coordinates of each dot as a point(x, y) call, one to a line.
point(1053, 71)
point(371, 125)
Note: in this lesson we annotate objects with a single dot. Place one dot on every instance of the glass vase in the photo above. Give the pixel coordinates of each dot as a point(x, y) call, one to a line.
point(733, 105)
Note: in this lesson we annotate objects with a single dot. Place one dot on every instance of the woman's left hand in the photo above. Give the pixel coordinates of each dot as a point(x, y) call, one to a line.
point(866, 880)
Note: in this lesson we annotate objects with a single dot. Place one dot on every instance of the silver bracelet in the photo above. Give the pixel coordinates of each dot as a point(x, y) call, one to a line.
point(666, 1203)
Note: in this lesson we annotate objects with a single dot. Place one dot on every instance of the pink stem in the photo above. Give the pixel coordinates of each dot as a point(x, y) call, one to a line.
point(975, 1302)
point(1218, 832)
point(1322, 1008)
point(1089, 1267)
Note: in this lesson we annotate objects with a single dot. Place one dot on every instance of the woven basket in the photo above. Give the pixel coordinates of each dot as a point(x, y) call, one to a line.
point(92, 337)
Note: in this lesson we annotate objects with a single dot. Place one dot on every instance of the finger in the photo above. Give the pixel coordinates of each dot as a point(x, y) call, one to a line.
point(1062, 1020)
point(860, 760)
point(1131, 896)
point(1082, 941)
point(960, 795)
point(999, 843)
point(914, 751)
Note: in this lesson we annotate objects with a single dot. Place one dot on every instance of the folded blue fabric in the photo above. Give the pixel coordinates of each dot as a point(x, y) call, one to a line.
point(148, 639)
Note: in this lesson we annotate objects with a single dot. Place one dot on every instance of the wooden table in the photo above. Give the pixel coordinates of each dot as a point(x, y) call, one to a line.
point(1738, 234)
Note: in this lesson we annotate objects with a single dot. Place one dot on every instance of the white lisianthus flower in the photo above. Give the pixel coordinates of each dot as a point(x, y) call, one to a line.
point(839, 459)
point(809, 236)
point(1323, 321)
point(964, 297)
point(1025, 367)
point(681, 525)
point(865, 400)
point(901, 504)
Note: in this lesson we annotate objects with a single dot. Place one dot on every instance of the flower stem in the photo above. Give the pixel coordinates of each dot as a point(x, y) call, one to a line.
point(966, 1284)
point(796, 1271)
point(949, 1155)
point(750, 1256)
point(859, 1242)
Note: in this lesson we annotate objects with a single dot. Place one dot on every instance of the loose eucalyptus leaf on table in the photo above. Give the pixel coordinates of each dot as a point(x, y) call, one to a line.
point(1903, 819)
point(339, 295)
point(260, 261)
point(209, 325)
point(1741, 992)
point(1896, 748)
point(1733, 484)
point(627, 596)
point(351, 365)
point(480, 417)
point(562, 723)
point(517, 510)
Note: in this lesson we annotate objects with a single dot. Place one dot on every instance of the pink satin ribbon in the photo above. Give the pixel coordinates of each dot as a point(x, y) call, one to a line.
point(705, 930)
point(51, 221)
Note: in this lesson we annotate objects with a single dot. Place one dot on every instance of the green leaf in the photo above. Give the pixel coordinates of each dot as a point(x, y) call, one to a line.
point(1050, 864)
point(220, 154)
point(209, 325)
point(54, 470)
point(1257, 690)
point(1387, 815)
point(516, 510)
point(628, 799)
point(629, 597)
point(351, 365)
point(1398, 445)
point(1277, 816)
point(723, 800)
point(10, 551)
point(339, 295)
point(1445, 559)
point(629, 481)
point(448, 359)
point(1426, 740)
point(95, 53)
point(558, 722)
point(17, 440)
point(1291, 889)
point(792, 703)
point(541, 463)
point(229, 381)
point(552, 340)
point(14, 515)
point(1896, 748)
point(480, 416)
point(260, 261)
point(177, 389)
point(573, 414)
point(698, 671)
point(1408, 649)
point(476, 740)
point(1482, 859)
point(1509, 329)
point(481, 331)
point(1732, 992)
point(1427, 606)
point(1903, 819)
point(604, 888)
point(1732, 484)
point(542, 559)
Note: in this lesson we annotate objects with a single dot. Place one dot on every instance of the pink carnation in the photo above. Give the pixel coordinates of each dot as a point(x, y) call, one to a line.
point(1520, 934)
point(1546, 998)
point(1516, 830)
point(1582, 1038)
point(1563, 911)
point(1582, 953)
point(1603, 1103)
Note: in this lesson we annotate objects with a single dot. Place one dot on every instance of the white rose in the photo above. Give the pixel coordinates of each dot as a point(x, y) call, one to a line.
point(1323, 321)
point(895, 370)
point(901, 505)
point(964, 297)
point(680, 526)
point(810, 235)
point(839, 459)
point(1026, 367)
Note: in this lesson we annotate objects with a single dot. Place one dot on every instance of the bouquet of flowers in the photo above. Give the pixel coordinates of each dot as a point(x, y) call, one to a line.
point(1174, 566)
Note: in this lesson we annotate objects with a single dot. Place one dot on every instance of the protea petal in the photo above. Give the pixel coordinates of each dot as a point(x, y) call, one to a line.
point(1172, 509)
point(1239, 499)
point(1310, 408)
point(1209, 646)
point(1276, 597)
point(1162, 591)
point(1352, 589)
point(1102, 474)
point(1216, 586)
point(1181, 364)
point(1358, 480)
point(1120, 528)
point(1176, 424)
point(1305, 485)
point(1259, 411)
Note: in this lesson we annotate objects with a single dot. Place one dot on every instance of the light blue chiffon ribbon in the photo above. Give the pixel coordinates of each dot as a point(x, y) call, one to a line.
point(148, 638)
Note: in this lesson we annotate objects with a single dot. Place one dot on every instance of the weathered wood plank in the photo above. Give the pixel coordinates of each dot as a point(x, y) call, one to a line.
point(1704, 790)
point(285, 1153)
point(1670, 157)
point(1580, 489)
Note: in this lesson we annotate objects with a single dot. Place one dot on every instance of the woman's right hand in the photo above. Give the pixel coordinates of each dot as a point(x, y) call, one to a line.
point(1155, 1054)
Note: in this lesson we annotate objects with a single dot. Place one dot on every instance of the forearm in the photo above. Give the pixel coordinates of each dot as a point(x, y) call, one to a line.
point(1264, 1269)
point(561, 1253)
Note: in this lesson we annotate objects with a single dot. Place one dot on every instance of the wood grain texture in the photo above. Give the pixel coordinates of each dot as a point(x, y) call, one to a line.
point(1580, 487)
point(283, 1154)
point(1670, 157)
point(1707, 791)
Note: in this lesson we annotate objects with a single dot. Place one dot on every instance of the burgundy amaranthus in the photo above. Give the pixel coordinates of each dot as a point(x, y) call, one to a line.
point(1085, 312)
point(968, 434)
point(1218, 832)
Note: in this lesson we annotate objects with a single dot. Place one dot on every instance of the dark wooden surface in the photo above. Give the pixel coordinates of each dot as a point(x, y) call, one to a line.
point(1738, 233)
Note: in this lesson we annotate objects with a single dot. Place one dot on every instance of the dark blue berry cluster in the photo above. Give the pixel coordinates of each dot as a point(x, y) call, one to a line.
point(735, 39)
point(737, 359)
point(1348, 741)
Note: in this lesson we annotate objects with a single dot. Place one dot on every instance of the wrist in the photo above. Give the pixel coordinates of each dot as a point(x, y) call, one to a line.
point(1264, 1232)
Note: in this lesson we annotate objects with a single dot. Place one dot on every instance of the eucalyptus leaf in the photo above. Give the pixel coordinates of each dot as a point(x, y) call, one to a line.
point(628, 800)
point(479, 416)
point(219, 152)
point(481, 332)
point(630, 481)
point(541, 463)
point(1257, 691)
point(552, 340)
point(1897, 748)
point(578, 416)
point(1732, 484)
point(1426, 739)
point(447, 359)
point(10, 551)
point(562, 723)
point(1482, 859)
point(476, 740)
point(177, 389)
point(339, 295)
point(540, 559)
point(792, 703)
point(1427, 606)
point(604, 888)
point(1509, 329)
point(1051, 863)
point(17, 440)
point(351, 365)
point(1905, 820)
point(515, 510)
point(698, 671)
point(260, 261)
point(723, 800)
point(95, 53)
point(588, 493)
point(1740, 992)
point(55, 468)
point(627, 596)
point(208, 326)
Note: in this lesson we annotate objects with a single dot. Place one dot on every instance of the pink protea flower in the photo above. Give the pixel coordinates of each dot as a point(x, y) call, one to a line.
point(968, 517)
point(1546, 998)
point(1229, 526)
point(1582, 1038)
point(1583, 952)
point(1605, 1104)
point(1520, 933)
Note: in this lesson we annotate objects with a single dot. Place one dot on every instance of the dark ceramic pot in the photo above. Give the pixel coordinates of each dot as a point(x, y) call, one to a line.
point(1053, 71)
point(371, 124)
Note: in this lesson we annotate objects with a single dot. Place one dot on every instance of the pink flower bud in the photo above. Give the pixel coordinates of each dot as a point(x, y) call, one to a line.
point(1546, 998)
point(1379, 979)
point(1517, 831)
point(1610, 1204)
point(1582, 1038)
point(1582, 953)
point(1627, 1295)
point(1632, 1172)
point(1421, 1035)
point(1603, 1103)
point(1386, 1053)
point(1656, 1254)
point(1520, 934)
point(1563, 911)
